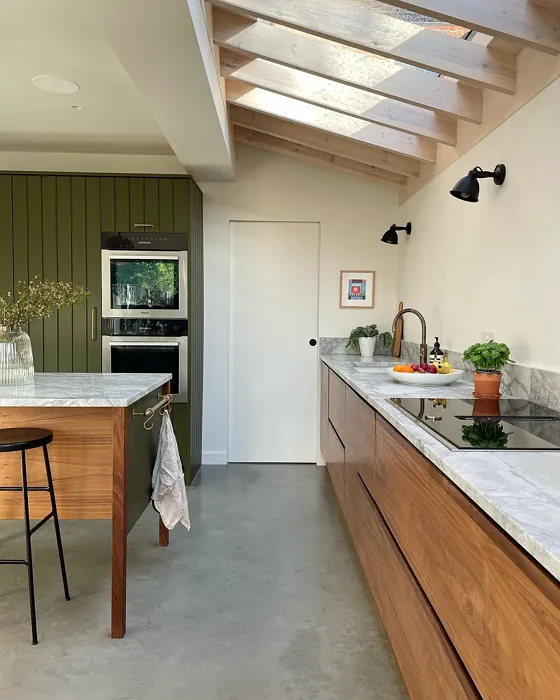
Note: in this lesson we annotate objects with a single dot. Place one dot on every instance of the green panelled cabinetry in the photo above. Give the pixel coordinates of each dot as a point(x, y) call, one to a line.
point(50, 227)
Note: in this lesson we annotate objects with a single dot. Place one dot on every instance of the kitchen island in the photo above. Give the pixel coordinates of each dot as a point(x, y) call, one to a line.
point(460, 549)
point(102, 455)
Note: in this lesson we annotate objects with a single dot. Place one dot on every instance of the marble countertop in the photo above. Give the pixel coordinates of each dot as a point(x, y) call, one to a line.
point(59, 390)
point(520, 491)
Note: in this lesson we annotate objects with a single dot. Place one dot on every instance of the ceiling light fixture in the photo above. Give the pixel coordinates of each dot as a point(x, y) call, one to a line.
point(50, 83)
point(78, 107)
point(392, 237)
point(468, 189)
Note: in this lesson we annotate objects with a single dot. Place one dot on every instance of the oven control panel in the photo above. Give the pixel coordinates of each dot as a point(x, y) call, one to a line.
point(137, 240)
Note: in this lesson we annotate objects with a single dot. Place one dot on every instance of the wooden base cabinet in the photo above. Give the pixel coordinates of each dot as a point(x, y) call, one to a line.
point(429, 664)
point(469, 614)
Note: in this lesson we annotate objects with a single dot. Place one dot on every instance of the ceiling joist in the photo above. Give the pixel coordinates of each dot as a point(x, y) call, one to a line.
point(340, 98)
point(347, 66)
point(358, 24)
point(323, 141)
point(520, 21)
point(326, 120)
point(289, 148)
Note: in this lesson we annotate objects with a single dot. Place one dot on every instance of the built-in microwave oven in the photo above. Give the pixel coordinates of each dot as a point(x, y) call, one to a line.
point(144, 275)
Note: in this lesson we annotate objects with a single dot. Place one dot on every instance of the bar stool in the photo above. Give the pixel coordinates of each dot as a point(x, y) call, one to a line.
point(21, 440)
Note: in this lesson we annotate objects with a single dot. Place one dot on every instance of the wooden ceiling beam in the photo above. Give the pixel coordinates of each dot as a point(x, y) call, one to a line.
point(289, 148)
point(324, 141)
point(358, 130)
point(520, 21)
point(358, 24)
point(340, 98)
point(347, 66)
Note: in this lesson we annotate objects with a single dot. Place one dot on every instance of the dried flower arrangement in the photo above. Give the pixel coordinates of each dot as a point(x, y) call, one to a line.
point(37, 299)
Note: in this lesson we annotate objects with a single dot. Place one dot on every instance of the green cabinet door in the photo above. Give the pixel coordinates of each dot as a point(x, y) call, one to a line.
point(93, 272)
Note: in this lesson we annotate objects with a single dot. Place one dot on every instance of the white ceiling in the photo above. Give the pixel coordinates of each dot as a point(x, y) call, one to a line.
point(56, 37)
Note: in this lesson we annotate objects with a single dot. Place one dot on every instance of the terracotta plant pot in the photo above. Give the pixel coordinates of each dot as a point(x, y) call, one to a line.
point(487, 384)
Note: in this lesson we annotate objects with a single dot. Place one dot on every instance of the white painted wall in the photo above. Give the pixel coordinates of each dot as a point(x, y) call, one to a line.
point(494, 265)
point(353, 213)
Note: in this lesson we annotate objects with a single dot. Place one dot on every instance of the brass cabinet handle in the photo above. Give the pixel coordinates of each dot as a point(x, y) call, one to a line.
point(146, 225)
point(94, 323)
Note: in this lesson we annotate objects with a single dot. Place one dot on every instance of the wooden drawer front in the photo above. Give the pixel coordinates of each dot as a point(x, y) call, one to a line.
point(360, 438)
point(337, 404)
point(335, 464)
point(430, 667)
point(324, 418)
point(501, 611)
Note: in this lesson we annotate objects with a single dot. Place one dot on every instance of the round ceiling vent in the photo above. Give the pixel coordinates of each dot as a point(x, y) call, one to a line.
point(50, 83)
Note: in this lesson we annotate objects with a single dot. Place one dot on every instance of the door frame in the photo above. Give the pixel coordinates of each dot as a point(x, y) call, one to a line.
point(318, 455)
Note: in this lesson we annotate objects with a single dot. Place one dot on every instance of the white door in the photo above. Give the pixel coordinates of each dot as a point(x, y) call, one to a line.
point(274, 301)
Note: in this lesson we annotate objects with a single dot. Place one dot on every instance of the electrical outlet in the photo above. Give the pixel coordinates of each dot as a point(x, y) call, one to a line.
point(487, 336)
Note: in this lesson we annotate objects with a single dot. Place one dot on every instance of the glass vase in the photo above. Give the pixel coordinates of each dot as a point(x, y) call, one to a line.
point(16, 357)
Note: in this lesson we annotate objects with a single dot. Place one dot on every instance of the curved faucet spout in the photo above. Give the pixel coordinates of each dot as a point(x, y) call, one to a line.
point(423, 346)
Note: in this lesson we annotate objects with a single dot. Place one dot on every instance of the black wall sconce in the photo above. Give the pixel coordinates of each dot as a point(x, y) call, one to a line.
point(392, 237)
point(467, 189)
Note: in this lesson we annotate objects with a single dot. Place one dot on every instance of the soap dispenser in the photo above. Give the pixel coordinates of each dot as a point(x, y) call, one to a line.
point(436, 355)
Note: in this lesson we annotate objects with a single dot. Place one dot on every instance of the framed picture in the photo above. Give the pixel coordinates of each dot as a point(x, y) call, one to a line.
point(357, 289)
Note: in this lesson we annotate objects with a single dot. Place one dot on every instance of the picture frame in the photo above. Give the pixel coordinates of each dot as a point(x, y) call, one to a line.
point(357, 289)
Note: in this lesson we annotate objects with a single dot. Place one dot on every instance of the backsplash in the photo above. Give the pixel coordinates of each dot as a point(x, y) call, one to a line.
point(538, 385)
point(337, 346)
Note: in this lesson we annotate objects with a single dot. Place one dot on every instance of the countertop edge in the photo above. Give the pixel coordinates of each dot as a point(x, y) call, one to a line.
point(430, 447)
point(38, 402)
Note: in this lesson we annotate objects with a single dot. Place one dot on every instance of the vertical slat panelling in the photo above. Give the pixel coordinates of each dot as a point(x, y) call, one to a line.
point(165, 186)
point(79, 321)
point(122, 204)
point(64, 225)
point(19, 225)
point(108, 204)
point(93, 272)
point(50, 270)
point(136, 203)
point(151, 209)
point(180, 205)
point(35, 259)
point(181, 411)
point(6, 236)
point(196, 327)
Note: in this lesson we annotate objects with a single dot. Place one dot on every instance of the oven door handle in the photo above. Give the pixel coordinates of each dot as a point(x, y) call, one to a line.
point(146, 343)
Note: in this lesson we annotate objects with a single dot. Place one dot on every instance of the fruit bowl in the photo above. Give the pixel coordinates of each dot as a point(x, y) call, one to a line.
point(424, 379)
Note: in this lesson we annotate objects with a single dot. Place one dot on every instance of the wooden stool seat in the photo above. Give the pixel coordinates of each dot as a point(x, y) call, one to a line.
point(16, 439)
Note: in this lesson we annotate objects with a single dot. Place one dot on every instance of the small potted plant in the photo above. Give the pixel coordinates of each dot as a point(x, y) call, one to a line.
point(33, 300)
point(488, 360)
point(363, 339)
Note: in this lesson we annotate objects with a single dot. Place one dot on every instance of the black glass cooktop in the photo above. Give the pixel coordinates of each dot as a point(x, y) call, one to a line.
point(486, 424)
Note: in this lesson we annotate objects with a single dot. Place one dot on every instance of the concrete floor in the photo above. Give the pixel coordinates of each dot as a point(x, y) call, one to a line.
point(262, 600)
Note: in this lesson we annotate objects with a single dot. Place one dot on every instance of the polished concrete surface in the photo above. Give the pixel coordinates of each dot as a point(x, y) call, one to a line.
point(262, 600)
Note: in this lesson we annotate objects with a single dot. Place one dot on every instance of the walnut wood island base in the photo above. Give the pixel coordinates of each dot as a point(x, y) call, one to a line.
point(102, 456)
point(468, 612)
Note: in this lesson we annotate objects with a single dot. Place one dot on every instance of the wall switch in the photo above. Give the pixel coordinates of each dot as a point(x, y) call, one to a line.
point(487, 336)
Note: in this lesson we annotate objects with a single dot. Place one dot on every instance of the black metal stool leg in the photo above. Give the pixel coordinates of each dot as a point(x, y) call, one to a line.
point(56, 523)
point(28, 548)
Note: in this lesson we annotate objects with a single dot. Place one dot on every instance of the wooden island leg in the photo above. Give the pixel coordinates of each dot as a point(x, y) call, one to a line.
point(163, 534)
point(119, 532)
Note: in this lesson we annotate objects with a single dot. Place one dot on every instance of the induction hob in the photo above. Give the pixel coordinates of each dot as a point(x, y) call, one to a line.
point(485, 424)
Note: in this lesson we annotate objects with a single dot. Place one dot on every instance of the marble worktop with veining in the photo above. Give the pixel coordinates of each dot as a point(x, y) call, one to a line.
point(520, 491)
point(60, 390)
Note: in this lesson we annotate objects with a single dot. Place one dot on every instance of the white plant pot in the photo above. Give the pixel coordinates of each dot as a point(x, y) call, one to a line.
point(367, 346)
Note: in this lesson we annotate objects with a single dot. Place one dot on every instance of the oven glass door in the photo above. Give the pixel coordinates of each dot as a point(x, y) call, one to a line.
point(165, 356)
point(136, 285)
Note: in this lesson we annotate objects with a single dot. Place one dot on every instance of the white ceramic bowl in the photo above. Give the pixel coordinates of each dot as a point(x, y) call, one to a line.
point(425, 379)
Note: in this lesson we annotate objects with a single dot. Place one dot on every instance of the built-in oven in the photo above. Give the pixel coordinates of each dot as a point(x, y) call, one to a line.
point(138, 345)
point(144, 275)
